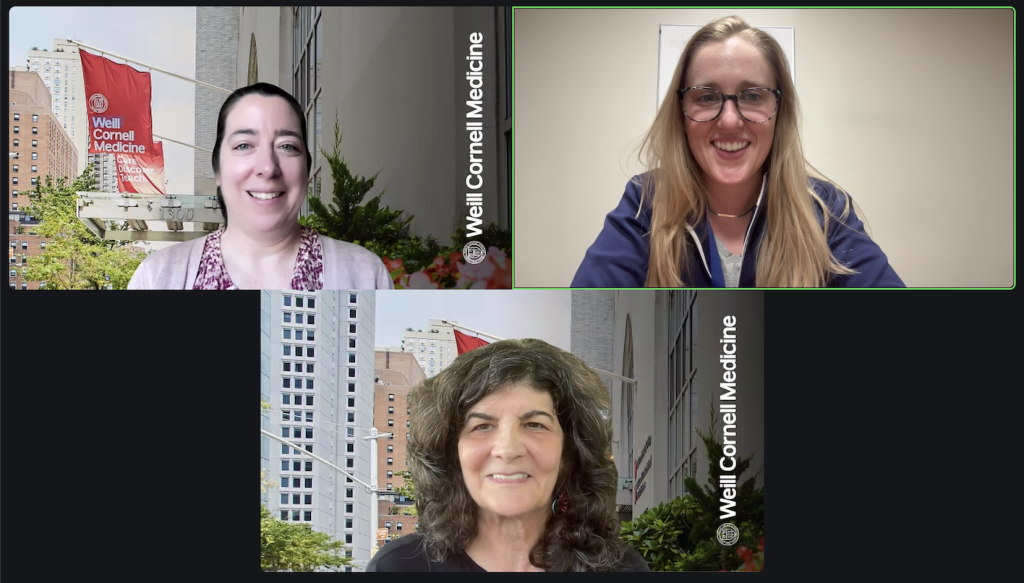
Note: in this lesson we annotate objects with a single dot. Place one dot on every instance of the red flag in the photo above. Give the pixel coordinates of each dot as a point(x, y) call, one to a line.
point(142, 173)
point(118, 98)
point(465, 343)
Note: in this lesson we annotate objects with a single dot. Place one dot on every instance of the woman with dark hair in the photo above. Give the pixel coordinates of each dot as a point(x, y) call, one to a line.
point(510, 448)
point(261, 162)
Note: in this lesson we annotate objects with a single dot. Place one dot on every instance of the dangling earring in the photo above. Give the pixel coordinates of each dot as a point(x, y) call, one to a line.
point(559, 505)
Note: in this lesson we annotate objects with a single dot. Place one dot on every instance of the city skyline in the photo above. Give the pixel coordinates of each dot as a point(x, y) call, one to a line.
point(160, 37)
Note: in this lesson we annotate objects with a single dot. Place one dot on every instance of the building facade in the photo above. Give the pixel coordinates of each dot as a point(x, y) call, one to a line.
point(61, 71)
point(216, 64)
point(397, 82)
point(38, 147)
point(397, 373)
point(433, 348)
point(320, 372)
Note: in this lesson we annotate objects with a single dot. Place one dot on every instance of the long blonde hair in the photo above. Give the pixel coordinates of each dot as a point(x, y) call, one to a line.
point(794, 251)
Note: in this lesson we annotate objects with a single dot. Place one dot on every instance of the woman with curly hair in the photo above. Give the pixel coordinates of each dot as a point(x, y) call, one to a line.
point(510, 449)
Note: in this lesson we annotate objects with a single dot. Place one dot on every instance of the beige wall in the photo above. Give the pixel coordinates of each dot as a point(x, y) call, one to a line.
point(934, 183)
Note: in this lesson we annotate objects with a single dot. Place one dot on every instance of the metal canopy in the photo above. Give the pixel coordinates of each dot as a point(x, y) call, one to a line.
point(175, 210)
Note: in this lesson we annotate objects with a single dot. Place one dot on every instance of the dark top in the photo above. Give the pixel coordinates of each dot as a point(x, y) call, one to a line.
point(408, 555)
point(618, 258)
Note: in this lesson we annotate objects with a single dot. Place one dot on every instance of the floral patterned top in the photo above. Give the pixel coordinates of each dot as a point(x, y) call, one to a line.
point(308, 273)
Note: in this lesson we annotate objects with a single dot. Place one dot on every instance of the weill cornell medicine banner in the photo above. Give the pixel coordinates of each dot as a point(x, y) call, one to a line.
point(142, 173)
point(118, 99)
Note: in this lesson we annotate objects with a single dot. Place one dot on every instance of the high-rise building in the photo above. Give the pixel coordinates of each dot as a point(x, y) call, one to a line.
point(400, 97)
point(38, 147)
point(320, 367)
point(434, 348)
point(61, 71)
point(396, 373)
point(216, 63)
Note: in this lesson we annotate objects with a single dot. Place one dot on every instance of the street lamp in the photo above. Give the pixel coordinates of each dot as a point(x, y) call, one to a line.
point(374, 486)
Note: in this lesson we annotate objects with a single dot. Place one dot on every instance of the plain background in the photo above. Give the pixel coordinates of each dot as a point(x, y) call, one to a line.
point(911, 111)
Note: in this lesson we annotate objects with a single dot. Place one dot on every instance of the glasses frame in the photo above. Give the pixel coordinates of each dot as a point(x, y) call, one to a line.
point(734, 98)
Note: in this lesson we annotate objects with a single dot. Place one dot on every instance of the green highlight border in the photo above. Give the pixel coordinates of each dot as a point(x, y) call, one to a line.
point(513, 172)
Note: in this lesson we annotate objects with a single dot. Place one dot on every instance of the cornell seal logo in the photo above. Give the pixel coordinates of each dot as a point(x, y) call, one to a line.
point(98, 103)
point(474, 252)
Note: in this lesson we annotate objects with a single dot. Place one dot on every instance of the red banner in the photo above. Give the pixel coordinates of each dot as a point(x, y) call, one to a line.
point(464, 343)
point(118, 101)
point(142, 173)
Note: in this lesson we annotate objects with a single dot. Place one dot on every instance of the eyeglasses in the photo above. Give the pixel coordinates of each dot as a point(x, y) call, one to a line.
point(756, 105)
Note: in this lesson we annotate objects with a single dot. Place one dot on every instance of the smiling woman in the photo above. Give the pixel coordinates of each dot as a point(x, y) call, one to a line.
point(261, 163)
point(729, 199)
point(510, 449)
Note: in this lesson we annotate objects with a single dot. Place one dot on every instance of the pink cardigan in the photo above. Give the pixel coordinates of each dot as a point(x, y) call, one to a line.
point(346, 266)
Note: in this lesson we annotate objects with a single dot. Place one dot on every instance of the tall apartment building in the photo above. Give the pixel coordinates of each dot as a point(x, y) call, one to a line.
point(217, 64)
point(396, 373)
point(61, 70)
point(434, 348)
point(38, 147)
point(320, 371)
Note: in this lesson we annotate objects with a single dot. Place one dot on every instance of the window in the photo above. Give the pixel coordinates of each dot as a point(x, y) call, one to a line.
point(407, 437)
point(15, 142)
point(298, 334)
point(309, 416)
point(398, 526)
point(307, 515)
point(284, 465)
point(351, 432)
point(286, 398)
point(309, 467)
point(287, 317)
point(349, 492)
point(34, 168)
point(352, 313)
point(309, 367)
point(309, 482)
point(284, 513)
point(351, 298)
point(287, 350)
point(348, 523)
point(351, 328)
point(351, 357)
point(351, 417)
point(14, 179)
point(285, 431)
point(387, 525)
point(287, 334)
point(351, 342)
point(406, 422)
point(298, 351)
point(348, 538)
point(17, 130)
point(284, 449)
point(296, 431)
point(35, 130)
point(296, 466)
point(350, 448)
point(391, 410)
point(295, 515)
point(309, 351)
point(389, 472)
point(389, 486)
point(35, 118)
point(298, 318)
point(391, 448)
point(309, 433)
point(34, 142)
point(307, 499)
point(286, 366)
point(296, 498)
point(284, 498)
point(298, 302)
point(14, 206)
point(287, 384)
point(351, 402)
point(309, 320)
point(310, 303)
point(351, 387)
point(14, 168)
point(391, 397)
point(34, 181)
point(309, 335)
point(288, 300)
point(391, 461)
point(391, 422)
point(348, 507)
point(309, 398)
point(17, 117)
point(351, 373)
point(298, 367)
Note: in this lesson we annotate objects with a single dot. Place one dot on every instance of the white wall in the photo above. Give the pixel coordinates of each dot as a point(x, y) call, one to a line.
point(935, 184)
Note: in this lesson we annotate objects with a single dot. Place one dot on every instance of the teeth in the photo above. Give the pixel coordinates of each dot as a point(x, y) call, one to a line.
point(265, 195)
point(731, 146)
point(509, 476)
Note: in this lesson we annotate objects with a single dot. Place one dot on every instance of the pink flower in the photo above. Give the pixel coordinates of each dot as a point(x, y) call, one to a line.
point(420, 280)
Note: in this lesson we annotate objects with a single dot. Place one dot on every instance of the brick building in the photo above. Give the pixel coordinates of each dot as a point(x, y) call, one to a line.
point(396, 373)
point(38, 146)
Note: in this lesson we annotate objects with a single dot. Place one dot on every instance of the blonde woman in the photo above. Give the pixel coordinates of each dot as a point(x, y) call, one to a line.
point(730, 200)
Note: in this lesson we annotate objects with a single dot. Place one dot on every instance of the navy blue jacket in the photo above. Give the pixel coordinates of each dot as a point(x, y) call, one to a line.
point(619, 256)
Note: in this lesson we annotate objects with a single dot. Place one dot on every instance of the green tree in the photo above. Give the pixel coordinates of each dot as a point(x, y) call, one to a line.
point(407, 489)
point(681, 535)
point(297, 547)
point(75, 258)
